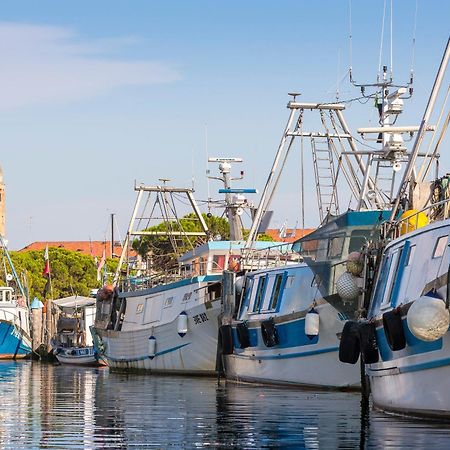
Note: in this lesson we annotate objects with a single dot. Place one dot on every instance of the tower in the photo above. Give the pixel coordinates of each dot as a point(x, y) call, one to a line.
point(2, 204)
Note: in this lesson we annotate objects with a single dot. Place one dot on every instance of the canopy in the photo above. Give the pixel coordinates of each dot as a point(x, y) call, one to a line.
point(74, 301)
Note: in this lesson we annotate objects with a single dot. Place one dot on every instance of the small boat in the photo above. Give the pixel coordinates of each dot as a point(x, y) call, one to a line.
point(73, 343)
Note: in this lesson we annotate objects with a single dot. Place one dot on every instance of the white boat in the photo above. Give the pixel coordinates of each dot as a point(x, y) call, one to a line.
point(73, 343)
point(167, 321)
point(407, 337)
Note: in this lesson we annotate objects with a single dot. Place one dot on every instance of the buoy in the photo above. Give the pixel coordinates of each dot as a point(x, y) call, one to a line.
point(347, 287)
point(151, 347)
point(312, 323)
point(428, 319)
point(182, 325)
point(412, 220)
point(239, 284)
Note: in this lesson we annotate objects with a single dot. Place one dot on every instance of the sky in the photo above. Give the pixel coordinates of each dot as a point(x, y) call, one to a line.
point(96, 95)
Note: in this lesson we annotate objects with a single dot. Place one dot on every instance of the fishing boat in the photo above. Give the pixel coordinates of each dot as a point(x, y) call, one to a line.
point(300, 324)
point(15, 340)
point(409, 339)
point(72, 343)
point(166, 320)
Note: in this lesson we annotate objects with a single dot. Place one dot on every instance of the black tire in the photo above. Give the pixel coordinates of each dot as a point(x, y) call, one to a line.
point(368, 343)
point(349, 347)
point(243, 335)
point(393, 329)
point(269, 333)
point(226, 340)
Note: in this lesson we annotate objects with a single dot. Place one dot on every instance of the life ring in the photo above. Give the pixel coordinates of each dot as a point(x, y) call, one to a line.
point(393, 329)
point(349, 347)
point(368, 343)
point(243, 335)
point(226, 340)
point(269, 333)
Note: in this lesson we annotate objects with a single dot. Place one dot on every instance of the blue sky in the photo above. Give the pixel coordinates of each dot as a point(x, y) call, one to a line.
point(95, 95)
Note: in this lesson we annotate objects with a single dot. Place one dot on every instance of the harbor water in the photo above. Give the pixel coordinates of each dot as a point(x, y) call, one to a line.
point(47, 406)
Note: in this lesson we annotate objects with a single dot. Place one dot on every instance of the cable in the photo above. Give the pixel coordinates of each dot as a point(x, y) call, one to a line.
point(381, 41)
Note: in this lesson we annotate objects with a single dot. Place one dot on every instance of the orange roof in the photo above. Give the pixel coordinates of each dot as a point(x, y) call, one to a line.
point(291, 234)
point(91, 248)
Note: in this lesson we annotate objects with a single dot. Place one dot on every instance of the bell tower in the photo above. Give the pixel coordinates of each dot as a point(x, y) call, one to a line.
point(2, 204)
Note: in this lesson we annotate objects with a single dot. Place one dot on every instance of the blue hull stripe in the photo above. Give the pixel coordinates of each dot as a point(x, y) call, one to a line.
point(142, 358)
point(291, 355)
point(425, 365)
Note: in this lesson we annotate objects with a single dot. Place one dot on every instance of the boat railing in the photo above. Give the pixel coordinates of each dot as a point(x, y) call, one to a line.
point(418, 218)
point(271, 257)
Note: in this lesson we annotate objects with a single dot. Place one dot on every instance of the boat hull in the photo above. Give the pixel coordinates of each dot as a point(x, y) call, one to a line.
point(14, 344)
point(313, 363)
point(85, 356)
point(195, 353)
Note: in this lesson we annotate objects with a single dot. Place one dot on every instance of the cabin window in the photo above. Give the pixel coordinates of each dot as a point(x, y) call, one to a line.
point(139, 308)
point(276, 291)
point(290, 281)
point(392, 275)
point(7, 296)
point(410, 255)
point(259, 293)
point(439, 249)
point(186, 297)
point(246, 296)
point(358, 239)
point(335, 246)
point(218, 263)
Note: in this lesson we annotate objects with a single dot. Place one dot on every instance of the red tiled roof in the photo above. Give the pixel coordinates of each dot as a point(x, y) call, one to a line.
point(291, 234)
point(92, 248)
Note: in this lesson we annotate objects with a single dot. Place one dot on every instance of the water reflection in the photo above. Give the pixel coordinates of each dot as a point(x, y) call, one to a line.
point(45, 406)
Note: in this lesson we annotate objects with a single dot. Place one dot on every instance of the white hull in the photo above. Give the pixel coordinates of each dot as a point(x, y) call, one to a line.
point(415, 385)
point(314, 365)
point(77, 356)
point(194, 353)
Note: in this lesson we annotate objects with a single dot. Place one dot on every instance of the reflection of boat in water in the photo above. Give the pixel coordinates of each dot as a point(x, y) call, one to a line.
point(72, 343)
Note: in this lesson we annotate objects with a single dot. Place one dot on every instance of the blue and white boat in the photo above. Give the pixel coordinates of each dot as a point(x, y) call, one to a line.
point(406, 342)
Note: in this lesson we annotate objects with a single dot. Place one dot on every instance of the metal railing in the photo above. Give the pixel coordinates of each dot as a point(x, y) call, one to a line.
point(271, 257)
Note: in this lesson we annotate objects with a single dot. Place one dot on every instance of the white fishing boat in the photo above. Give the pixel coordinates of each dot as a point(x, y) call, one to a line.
point(72, 343)
point(409, 310)
point(162, 320)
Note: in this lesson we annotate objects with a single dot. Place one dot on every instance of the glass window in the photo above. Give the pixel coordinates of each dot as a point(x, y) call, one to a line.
point(246, 297)
point(218, 263)
point(276, 291)
point(410, 255)
point(439, 249)
point(392, 275)
point(259, 294)
point(335, 246)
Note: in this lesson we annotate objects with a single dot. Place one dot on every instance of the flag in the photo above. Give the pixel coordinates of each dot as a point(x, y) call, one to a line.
point(46, 272)
point(46, 288)
point(100, 266)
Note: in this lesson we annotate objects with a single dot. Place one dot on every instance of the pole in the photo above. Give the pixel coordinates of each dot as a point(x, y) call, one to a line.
point(112, 235)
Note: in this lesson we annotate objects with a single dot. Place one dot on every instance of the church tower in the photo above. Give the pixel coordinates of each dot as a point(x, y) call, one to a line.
point(2, 204)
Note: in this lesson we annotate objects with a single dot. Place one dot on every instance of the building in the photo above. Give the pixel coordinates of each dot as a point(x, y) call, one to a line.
point(288, 235)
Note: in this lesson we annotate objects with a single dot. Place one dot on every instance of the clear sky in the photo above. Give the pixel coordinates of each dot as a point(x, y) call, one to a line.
point(97, 94)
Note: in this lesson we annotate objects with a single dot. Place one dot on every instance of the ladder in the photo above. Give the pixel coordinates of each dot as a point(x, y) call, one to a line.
point(384, 180)
point(325, 177)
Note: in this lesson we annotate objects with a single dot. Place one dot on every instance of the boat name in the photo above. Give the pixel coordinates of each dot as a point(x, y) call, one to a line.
point(200, 318)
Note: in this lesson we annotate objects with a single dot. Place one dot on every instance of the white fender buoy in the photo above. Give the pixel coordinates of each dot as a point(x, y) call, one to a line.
point(151, 347)
point(427, 318)
point(347, 287)
point(239, 284)
point(182, 325)
point(312, 323)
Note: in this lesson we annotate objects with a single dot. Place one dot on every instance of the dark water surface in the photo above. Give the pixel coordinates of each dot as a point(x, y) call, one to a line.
point(45, 406)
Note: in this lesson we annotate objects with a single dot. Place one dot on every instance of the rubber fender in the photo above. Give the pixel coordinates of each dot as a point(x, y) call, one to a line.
point(226, 340)
point(269, 333)
point(368, 343)
point(349, 347)
point(243, 335)
point(393, 329)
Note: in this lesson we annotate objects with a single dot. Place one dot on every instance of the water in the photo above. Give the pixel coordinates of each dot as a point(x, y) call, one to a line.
point(45, 406)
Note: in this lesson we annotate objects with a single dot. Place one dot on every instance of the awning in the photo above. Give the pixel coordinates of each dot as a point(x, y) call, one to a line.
point(74, 301)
